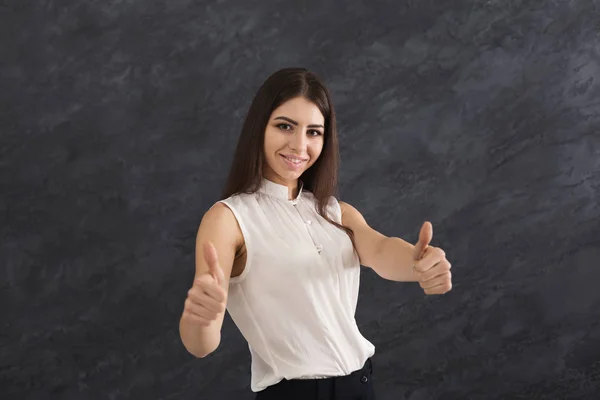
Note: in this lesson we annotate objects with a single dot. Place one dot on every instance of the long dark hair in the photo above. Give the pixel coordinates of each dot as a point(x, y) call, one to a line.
point(321, 178)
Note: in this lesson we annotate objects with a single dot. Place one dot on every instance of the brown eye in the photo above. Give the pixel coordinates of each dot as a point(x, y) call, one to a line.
point(281, 126)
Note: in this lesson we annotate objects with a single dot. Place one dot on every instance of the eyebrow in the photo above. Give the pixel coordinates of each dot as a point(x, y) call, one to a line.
point(291, 121)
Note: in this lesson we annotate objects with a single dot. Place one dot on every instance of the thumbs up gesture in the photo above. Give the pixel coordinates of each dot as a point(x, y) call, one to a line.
point(207, 298)
point(430, 264)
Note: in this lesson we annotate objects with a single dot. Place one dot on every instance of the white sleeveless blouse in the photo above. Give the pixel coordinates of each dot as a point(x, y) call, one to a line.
point(295, 300)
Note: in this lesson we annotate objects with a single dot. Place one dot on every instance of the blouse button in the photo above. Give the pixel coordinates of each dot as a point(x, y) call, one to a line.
point(308, 222)
point(319, 248)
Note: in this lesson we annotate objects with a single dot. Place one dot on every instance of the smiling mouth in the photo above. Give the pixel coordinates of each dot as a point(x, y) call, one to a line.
point(294, 160)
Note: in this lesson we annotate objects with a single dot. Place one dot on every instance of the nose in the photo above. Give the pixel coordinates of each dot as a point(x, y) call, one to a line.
point(298, 141)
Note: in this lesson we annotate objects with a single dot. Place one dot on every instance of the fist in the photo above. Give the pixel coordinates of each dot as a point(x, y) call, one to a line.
point(207, 298)
point(430, 264)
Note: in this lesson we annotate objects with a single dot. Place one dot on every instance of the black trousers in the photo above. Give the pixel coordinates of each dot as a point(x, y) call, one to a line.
point(356, 386)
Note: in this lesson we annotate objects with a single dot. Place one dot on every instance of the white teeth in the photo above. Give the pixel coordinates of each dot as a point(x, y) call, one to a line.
point(294, 160)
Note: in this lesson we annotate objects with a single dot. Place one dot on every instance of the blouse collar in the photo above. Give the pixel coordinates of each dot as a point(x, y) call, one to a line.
point(279, 191)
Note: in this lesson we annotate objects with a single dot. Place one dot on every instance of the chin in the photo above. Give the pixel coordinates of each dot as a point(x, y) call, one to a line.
point(291, 175)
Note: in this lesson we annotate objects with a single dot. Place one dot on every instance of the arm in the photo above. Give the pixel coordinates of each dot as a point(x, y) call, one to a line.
point(220, 227)
point(390, 257)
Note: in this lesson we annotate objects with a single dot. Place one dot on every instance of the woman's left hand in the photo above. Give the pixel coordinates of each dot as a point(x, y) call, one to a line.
point(430, 264)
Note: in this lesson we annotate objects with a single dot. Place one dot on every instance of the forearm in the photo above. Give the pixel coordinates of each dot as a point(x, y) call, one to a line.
point(394, 260)
point(200, 341)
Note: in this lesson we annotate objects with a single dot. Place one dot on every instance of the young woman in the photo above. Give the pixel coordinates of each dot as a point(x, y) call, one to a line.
point(283, 255)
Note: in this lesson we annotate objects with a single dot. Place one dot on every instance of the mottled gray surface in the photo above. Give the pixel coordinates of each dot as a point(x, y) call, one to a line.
point(118, 121)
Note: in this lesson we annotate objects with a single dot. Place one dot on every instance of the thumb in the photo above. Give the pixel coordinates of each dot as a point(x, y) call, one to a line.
point(425, 237)
point(212, 259)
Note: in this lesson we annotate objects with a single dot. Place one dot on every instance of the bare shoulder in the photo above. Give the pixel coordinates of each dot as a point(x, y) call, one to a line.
point(221, 223)
point(368, 240)
point(219, 211)
point(344, 206)
point(350, 215)
point(220, 227)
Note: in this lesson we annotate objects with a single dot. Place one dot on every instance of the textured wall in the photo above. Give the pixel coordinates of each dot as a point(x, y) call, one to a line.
point(118, 121)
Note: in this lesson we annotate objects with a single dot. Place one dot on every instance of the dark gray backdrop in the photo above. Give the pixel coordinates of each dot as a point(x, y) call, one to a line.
point(118, 121)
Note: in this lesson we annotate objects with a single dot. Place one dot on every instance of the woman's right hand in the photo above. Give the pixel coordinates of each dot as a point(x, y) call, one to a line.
point(207, 298)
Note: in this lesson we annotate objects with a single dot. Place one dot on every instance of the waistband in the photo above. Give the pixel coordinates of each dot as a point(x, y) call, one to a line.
point(366, 369)
point(356, 381)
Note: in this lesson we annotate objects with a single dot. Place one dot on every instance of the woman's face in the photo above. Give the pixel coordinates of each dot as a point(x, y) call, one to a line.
point(293, 140)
